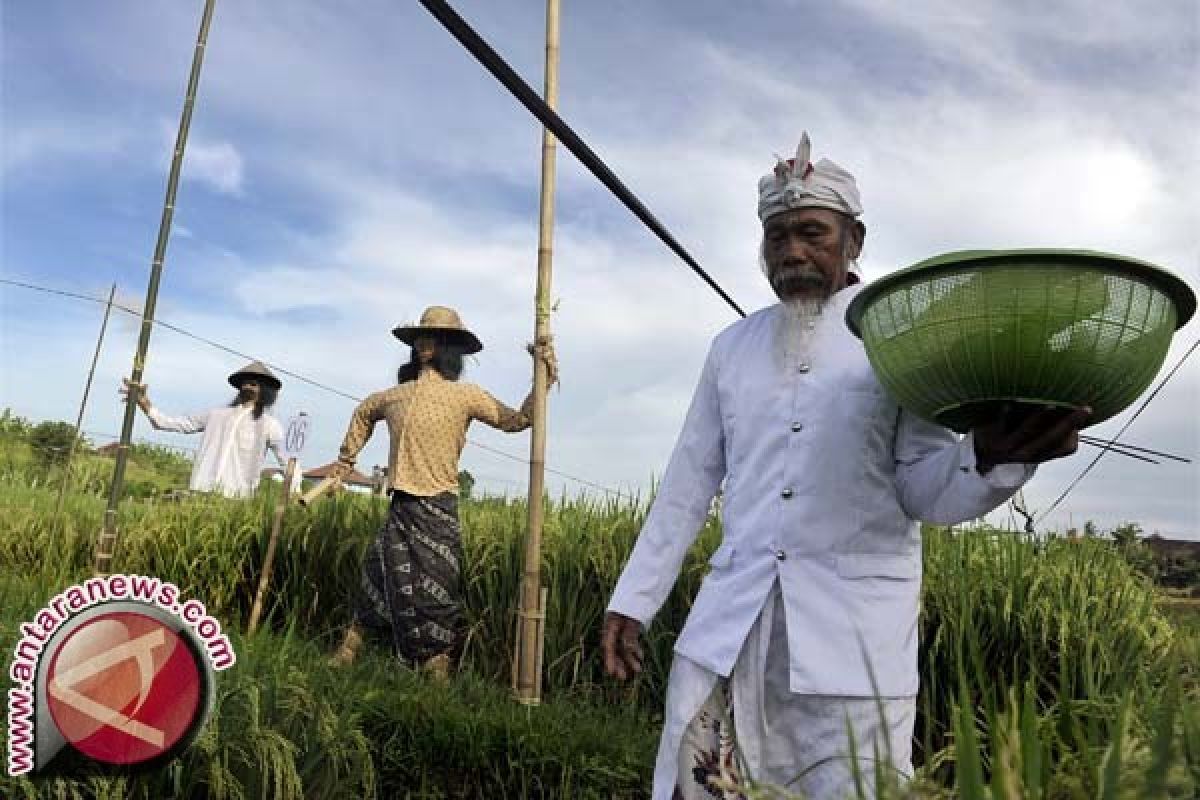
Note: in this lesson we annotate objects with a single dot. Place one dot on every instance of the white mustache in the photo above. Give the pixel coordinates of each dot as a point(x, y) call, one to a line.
point(800, 274)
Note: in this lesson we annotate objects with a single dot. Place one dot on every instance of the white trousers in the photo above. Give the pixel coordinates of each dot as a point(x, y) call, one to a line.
point(753, 728)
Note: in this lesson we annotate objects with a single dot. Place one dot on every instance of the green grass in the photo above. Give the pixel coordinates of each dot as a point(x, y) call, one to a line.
point(1045, 665)
point(286, 725)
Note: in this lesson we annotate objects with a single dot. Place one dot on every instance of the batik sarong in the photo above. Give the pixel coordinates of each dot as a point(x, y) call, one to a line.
point(411, 577)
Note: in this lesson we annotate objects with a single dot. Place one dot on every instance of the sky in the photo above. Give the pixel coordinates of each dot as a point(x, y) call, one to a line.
point(350, 164)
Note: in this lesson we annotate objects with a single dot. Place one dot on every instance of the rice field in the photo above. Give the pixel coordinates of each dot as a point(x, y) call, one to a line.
point(1047, 669)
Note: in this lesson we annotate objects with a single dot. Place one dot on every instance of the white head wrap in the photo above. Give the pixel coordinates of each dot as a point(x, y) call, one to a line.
point(798, 183)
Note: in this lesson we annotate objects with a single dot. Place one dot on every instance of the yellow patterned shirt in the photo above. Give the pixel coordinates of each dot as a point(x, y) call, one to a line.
point(427, 420)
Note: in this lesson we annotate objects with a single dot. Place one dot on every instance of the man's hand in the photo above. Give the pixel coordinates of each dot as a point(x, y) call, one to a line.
point(1028, 436)
point(143, 399)
point(545, 352)
point(620, 646)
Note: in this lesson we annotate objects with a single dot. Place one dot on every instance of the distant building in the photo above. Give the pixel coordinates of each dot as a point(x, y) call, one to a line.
point(1172, 548)
point(355, 481)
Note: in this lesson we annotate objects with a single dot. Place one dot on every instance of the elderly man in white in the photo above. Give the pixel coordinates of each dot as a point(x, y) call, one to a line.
point(810, 608)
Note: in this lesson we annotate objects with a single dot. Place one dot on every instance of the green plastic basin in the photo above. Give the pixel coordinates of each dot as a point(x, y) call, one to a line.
point(955, 336)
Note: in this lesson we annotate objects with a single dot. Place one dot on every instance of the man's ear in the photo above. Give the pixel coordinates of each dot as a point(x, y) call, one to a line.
point(858, 234)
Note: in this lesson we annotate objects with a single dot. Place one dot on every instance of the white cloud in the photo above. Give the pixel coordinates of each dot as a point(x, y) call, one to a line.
point(422, 176)
point(218, 164)
point(30, 144)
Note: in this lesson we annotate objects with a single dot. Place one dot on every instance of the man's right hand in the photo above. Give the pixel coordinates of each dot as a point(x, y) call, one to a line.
point(143, 399)
point(620, 645)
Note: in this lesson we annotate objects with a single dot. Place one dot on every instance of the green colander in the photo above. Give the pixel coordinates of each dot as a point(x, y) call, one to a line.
point(955, 336)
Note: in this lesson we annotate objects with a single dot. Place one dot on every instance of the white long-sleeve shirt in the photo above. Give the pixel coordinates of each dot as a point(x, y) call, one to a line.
point(231, 452)
point(824, 479)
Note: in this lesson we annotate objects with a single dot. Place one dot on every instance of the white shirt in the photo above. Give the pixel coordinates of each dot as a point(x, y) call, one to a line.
point(824, 477)
point(231, 453)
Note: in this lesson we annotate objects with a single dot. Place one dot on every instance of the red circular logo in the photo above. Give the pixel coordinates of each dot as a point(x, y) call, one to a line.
point(124, 688)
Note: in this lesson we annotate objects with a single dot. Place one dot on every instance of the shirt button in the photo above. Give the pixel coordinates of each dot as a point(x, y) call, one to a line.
point(797, 427)
point(782, 556)
point(803, 368)
point(785, 494)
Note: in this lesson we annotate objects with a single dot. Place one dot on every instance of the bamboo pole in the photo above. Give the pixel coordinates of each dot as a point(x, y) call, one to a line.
point(87, 388)
point(330, 484)
point(107, 542)
point(529, 624)
point(269, 560)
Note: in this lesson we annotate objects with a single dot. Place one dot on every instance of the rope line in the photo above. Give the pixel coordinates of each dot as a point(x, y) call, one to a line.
point(291, 374)
point(1108, 446)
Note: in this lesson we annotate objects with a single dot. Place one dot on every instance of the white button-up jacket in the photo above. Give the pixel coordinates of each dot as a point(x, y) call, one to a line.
point(230, 456)
point(824, 479)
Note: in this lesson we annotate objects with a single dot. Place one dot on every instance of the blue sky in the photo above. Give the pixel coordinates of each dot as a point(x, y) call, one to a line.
point(349, 164)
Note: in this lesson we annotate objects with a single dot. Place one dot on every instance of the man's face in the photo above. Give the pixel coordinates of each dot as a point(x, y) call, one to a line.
point(807, 252)
point(425, 347)
point(249, 390)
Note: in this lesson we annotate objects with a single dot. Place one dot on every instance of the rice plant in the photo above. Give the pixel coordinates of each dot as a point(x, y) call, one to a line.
point(1046, 668)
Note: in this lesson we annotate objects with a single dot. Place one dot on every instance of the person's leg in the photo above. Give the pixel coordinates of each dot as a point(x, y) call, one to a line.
point(801, 742)
point(371, 611)
point(818, 730)
point(399, 575)
point(435, 553)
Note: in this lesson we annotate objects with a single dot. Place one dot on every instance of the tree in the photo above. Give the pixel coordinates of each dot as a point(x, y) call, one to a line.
point(466, 482)
point(51, 442)
point(1127, 534)
point(1127, 538)
point(14, 427)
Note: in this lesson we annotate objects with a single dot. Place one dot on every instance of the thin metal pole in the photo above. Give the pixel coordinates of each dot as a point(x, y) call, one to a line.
point(530, 622)
point(106, 544)
point(87, 388)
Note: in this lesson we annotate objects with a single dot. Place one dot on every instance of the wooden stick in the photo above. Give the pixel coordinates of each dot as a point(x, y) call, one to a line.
point(330, 484)
point(529, 630)
point(106, 545)
point(269, 561)
point(87, 388)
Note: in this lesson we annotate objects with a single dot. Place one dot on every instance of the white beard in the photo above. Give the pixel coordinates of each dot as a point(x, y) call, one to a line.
point(795, 332)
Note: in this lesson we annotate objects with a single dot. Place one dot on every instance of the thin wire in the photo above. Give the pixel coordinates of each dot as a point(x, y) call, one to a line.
point(1128, 446)
point(296, 375)
point(1124, 427)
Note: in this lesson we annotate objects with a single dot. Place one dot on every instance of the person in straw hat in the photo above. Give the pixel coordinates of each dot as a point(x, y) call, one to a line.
point(411, 574)
point(805, 628)
point(236, 437)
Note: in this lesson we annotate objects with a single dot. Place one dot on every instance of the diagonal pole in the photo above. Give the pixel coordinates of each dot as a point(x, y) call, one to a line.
point(107, 543)
point(87, 388)
point(493, 63)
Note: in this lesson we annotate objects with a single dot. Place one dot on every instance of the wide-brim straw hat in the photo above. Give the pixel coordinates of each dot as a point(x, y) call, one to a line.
point(442, 322)
point(255, 369)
